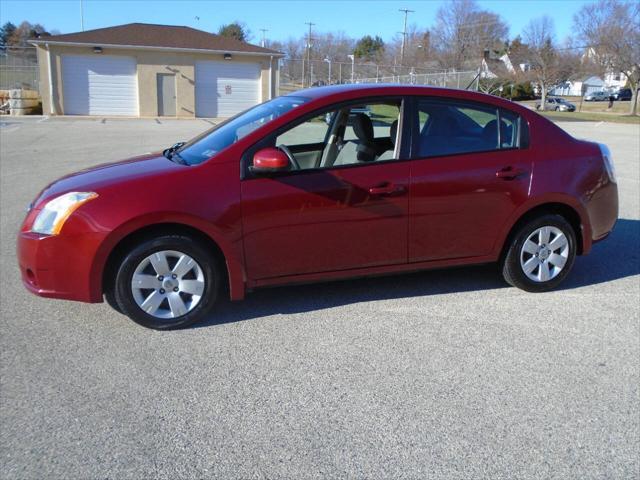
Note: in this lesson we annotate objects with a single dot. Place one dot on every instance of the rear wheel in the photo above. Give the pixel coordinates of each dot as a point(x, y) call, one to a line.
point(167, 282)
point(540, 254)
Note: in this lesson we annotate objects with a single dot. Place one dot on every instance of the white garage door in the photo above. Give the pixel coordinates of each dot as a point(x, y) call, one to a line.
point(226, 88)
point(99, 85)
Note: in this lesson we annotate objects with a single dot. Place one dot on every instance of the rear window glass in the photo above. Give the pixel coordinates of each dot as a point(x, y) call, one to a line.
point(450, 128)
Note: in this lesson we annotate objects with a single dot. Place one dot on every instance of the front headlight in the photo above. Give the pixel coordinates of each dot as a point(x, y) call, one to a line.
point(52, 217)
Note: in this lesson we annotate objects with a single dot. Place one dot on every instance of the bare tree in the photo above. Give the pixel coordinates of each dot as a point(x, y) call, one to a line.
point(612, 29)
point(463, 31)
point(545, 63)
point(419, 51)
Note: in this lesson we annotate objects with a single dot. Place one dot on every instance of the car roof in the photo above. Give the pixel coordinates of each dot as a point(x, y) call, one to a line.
point(370, 88)
point(392, 89)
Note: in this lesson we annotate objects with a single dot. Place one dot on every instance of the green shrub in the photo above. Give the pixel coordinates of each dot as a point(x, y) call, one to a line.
point(521, 91)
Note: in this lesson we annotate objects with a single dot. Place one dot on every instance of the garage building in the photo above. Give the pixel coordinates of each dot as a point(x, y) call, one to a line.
point(153, 70)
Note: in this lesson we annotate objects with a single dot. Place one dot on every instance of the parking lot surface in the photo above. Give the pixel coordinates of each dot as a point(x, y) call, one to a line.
point(441, 374)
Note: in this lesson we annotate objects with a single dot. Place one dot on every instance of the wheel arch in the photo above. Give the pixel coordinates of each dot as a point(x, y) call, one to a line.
point(564, 209)
point(115, 246)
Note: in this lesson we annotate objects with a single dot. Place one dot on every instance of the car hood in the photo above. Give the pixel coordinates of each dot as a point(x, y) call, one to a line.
point(96, 178)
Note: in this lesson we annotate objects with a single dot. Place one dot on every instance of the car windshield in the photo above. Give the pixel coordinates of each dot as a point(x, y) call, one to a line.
point(230, 131)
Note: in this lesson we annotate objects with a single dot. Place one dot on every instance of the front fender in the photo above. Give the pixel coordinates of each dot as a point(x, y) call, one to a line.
point(230, 245)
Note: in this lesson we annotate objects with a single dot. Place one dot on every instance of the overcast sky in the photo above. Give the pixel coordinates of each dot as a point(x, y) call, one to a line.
point(281, 18)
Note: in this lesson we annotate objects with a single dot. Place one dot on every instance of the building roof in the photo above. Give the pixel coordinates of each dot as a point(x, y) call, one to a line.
point(157, 36)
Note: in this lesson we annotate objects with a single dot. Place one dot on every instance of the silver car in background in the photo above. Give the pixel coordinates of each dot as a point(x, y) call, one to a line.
point(599, 96)
point(557, 104)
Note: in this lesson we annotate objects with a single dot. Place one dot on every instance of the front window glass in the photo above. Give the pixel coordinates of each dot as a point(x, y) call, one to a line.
point(230, 131)
point(312, 131)
point(348, 135)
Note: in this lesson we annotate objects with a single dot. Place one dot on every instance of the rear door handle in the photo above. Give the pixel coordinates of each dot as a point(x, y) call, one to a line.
point(510, 173)
point(387, 188)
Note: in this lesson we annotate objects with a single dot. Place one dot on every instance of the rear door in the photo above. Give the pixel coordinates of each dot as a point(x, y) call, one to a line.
point(467, 177)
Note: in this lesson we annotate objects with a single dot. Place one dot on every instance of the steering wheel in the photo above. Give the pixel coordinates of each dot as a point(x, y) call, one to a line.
point(287, 152)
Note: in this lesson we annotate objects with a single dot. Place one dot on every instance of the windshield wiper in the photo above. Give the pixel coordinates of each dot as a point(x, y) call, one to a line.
point(172, 154)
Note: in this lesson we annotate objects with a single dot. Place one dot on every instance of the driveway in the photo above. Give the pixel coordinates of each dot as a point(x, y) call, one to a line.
point(442, 374)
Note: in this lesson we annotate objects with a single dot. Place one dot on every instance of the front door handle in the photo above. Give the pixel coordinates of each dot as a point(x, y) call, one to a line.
point(387, 188)
point(510, 173)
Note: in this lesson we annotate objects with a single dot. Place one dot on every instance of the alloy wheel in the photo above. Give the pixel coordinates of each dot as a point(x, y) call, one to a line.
point(168, 284)
point(544, 254)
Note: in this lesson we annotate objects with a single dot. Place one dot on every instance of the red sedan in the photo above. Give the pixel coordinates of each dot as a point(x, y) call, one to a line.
point(323, 184)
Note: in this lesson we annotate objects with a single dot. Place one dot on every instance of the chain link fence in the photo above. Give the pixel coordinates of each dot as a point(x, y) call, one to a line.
point(19, 68)
point(296, 74)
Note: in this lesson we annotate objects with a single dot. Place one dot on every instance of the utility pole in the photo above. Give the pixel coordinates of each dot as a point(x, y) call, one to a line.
point(311, 24)
point(404, 32)
point(264, 42)
point(81, 17)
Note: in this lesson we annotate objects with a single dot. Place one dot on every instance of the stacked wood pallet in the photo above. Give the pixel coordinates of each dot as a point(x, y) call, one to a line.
point(23, 102)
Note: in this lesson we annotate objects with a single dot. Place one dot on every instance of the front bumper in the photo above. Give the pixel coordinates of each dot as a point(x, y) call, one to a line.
point(59, 266)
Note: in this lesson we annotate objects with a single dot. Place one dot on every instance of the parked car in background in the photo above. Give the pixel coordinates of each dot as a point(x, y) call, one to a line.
point(596, 96)
point(558, 104)
point(622, 94)
point(441, 178)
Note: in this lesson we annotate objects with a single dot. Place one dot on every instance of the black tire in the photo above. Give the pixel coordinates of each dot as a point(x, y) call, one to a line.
point(124, 296)
point(512, 269)
point(110, 298)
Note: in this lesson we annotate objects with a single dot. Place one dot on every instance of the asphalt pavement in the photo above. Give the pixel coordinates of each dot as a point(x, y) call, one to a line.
point(442, 374)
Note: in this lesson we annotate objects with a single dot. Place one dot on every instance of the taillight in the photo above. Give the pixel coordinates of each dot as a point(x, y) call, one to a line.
point(608, 162)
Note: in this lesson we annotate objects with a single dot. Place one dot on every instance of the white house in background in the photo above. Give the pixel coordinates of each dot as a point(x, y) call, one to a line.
point(614, 80)
point(579, 86)
point(496, 67)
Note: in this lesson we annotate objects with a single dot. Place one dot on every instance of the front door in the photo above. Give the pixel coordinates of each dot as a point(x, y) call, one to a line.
point(467, 178)
point(166, 95)
point(343, 206)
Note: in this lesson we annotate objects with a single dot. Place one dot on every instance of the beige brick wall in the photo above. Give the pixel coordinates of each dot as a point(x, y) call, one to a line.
point(150, 63)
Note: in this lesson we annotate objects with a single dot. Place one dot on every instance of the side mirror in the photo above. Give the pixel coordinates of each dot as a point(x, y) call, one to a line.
point(269, 160)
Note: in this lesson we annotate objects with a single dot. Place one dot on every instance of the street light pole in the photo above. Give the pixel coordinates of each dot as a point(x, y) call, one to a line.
point(328, 60)
point(353, 66)
point(81, 17)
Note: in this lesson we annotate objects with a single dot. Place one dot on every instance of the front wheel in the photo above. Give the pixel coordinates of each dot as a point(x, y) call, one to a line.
point(540, 254)
point(167, 282)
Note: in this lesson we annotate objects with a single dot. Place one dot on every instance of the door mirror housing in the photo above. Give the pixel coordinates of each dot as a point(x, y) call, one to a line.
point(269, 160)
